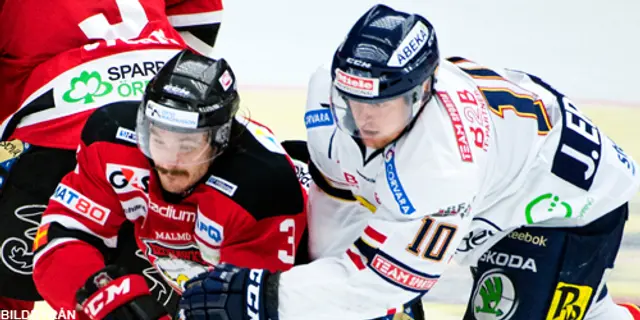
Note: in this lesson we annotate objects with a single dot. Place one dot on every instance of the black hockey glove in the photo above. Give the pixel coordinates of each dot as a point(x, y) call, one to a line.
point(111, 294)
point(228, 292)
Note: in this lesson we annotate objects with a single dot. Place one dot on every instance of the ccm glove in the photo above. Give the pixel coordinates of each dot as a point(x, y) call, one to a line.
point(111, 294)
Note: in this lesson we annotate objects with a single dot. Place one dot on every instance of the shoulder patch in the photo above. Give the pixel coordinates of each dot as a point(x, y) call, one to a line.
point(114, 122)
point(126, 135)
point(222, 185)
point(262, 182)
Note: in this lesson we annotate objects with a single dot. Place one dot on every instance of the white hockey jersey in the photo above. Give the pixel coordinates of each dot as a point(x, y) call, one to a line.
point(492, 151)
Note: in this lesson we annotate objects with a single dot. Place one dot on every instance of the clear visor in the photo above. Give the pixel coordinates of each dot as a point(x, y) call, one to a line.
point(173, 146)
point(375, 121)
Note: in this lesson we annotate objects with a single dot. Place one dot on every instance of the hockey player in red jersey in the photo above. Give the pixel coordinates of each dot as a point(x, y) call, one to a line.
point(60, 60)
point(40, 41)
point(201, 185)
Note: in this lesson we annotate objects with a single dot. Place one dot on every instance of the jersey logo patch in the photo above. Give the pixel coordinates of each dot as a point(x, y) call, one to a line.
point(80, 204)
point(394, 183)
point(318, 118)
point(458, 127)
point(222, 185)
point(208, 231)
point(176, 263)
point(125, 179)
point(401, 275)
point(127, 135)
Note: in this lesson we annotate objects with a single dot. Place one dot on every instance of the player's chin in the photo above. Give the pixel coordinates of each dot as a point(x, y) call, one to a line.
point(375, 141)
point(175, 184)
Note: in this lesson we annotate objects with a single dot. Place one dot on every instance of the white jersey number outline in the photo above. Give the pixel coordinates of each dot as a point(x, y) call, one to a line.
point(134, 19)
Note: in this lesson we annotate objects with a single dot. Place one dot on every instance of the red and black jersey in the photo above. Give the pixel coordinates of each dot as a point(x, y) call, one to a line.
point(57, 58)
point(248, 210)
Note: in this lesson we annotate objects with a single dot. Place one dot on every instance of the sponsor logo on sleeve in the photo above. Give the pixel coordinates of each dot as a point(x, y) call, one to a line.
point(318, 118)
point(400, 275)
point(127, 135)
point(80, 204)
point(458, 127)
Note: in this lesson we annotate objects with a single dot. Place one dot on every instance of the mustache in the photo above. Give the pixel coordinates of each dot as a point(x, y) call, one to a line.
point(172, 172)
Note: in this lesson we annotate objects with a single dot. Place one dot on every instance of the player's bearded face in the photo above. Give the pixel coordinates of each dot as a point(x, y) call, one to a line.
point(181, 159)
point(380, 123)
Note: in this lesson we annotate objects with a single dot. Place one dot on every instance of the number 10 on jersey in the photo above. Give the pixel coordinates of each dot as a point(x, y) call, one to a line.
point(432, 245)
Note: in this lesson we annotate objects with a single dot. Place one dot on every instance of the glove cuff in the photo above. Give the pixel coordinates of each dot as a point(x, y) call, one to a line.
point(115, 294)
point(271, 295)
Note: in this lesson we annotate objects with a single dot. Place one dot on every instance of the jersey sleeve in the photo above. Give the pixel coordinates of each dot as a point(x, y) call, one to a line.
point(197, 21)
point(321, 133)
point(332, 206)
point(269, 243)
point(229, 232)
point(82, 220)
point(255, 202)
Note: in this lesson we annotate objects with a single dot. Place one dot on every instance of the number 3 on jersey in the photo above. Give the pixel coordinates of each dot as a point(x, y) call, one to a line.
point(288, 226)
point(134, 19)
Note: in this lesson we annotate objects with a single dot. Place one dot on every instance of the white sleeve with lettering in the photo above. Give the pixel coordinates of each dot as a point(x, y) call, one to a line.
point(322, 129)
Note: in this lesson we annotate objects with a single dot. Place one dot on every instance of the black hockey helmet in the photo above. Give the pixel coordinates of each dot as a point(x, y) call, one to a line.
point(192, 100)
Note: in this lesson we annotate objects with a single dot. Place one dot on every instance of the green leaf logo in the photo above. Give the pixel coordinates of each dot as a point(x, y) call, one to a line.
point(87, 87)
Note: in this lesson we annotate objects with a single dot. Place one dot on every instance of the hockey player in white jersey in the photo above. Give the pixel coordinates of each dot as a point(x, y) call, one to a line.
point(418, 160)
